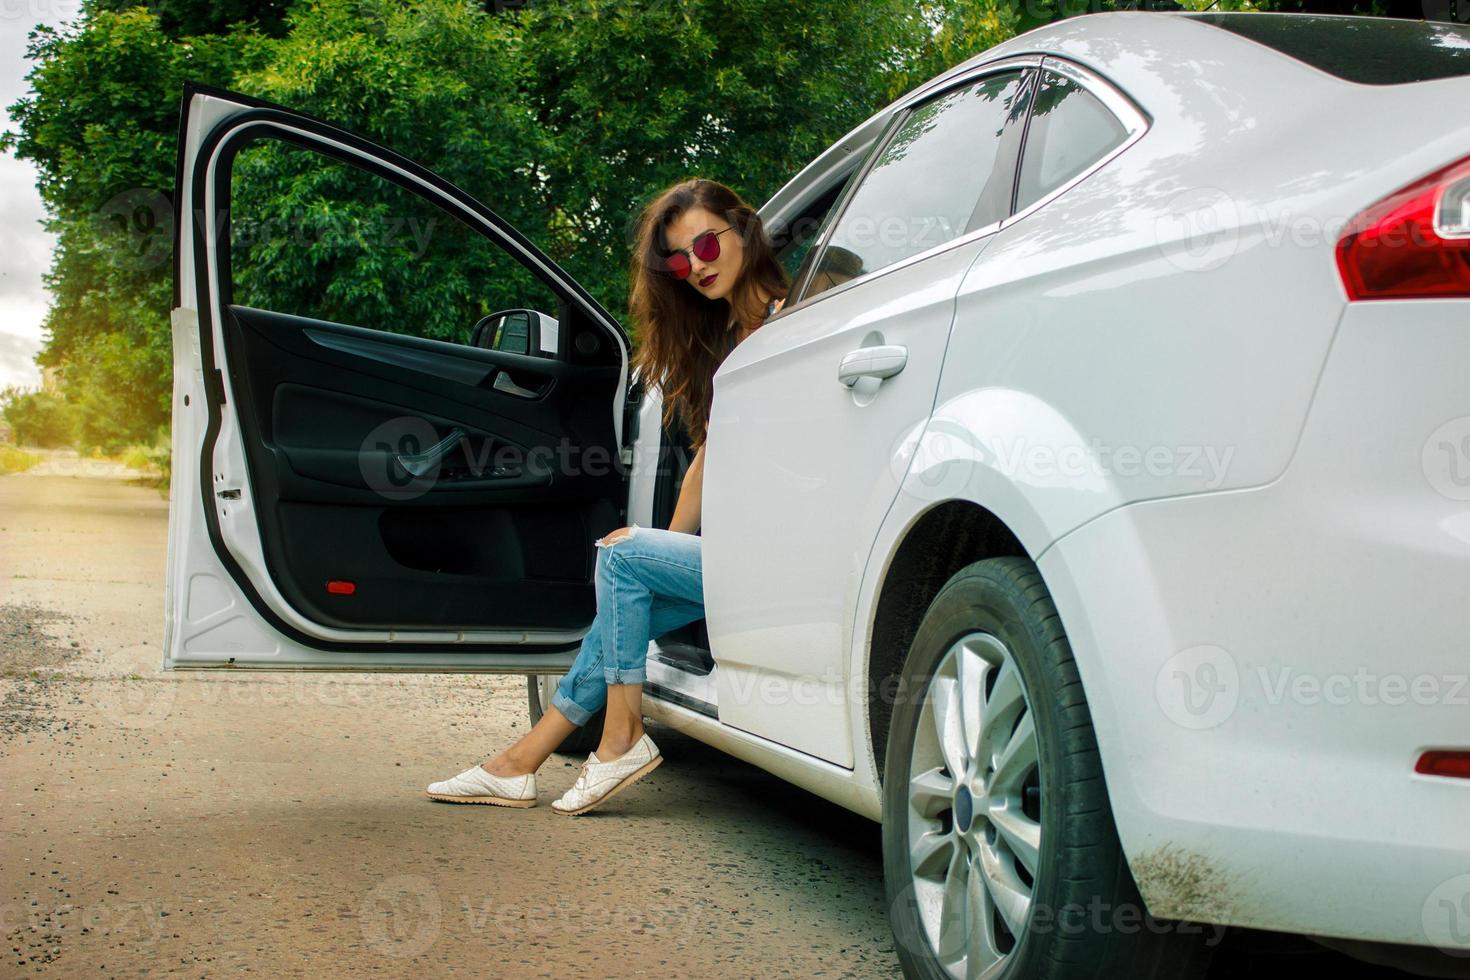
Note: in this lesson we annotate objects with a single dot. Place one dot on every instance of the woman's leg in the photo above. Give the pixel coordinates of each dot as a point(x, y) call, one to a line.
point(583, 690)
point(650, 570)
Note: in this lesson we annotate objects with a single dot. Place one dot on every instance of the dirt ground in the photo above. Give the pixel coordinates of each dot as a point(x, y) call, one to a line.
point(200, 824)
point(195, 824)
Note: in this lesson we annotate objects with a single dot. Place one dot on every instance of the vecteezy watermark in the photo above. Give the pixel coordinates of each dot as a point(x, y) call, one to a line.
point(1198, 687)
point(1094, 916)
point(1445, 459)
point(404, 915)
point(127, 698)
point(1199, 229)
point(1362, 686)
point(139, 223)
point(939, 460)
point(1202, 228)
point(338, 231)
point(1446, 916)
point(1202, 687)
point(379, 458)
point(37, 11)
point(133, 699)
point(406, 456)
point(401, 916)
point(41, 921)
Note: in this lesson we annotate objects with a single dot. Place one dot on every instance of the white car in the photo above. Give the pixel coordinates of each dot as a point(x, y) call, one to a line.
point(1094, 514)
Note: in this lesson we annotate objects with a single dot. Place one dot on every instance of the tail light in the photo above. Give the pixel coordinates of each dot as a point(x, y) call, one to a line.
point(1415, 243)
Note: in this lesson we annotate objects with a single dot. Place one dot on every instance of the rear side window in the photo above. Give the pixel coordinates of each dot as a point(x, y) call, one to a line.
point(930, 183)
point(1368, 50)
point(1070, 130)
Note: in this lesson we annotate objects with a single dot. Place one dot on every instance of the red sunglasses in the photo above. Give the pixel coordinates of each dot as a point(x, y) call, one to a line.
point(706, 246)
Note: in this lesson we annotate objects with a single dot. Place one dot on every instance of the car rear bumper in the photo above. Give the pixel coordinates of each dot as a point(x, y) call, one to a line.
point(1265, 666)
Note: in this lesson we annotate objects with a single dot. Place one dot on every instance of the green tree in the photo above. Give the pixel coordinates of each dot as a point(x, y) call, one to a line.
point(101, 126)
point(562, 117)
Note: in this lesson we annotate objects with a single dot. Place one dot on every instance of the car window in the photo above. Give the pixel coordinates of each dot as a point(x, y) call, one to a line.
point(794, 243)
point(1367, 50)
point(942, 163)
point(313, 236)
point(1070, 129)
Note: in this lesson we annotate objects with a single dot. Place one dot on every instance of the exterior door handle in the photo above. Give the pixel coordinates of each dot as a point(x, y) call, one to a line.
point(879, 362)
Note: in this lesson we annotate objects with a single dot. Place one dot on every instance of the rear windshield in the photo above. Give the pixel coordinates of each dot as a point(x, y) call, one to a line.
point(1371, 50)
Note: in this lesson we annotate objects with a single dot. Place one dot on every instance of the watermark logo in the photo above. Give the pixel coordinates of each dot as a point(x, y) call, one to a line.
point(1445, 459)
point(129, 699)
point(1446, 916)
point(140, 224)
point(378, 458)
point(1198, 230)
point(1198, 688)
point(940, 460)
point(401, 916)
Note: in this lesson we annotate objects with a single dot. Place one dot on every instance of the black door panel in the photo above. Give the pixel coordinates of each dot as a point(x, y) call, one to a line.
point(500, 536)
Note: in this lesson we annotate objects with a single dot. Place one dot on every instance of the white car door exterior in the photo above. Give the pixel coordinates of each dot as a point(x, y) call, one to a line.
point(802, 466)
point(299, 535)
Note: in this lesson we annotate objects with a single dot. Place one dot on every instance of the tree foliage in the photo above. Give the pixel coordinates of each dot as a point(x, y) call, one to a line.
point(563, 117)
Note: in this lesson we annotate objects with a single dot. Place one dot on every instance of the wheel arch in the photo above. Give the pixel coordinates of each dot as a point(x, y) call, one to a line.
point(938, 542)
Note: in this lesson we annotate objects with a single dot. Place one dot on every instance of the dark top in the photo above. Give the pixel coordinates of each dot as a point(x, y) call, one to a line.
point(770, 310)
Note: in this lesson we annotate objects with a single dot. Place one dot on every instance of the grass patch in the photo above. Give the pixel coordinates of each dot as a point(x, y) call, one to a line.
point(16, 460)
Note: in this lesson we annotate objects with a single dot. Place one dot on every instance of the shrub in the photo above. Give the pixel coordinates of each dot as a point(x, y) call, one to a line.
point(38, 418)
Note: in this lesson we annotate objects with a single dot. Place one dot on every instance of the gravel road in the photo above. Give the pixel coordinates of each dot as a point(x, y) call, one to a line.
point(204, 823)
point(197, 824)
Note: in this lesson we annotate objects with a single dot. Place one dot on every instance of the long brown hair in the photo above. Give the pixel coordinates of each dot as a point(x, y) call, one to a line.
point(681, 336)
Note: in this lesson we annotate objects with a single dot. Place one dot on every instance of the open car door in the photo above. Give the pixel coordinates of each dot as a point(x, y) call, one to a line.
point(398, 427)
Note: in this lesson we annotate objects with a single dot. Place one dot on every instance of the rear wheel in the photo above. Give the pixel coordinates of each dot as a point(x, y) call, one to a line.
point(539, 688)
point(1001, 858)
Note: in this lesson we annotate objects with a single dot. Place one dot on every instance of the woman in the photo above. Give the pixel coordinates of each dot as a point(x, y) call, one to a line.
point(703, 279)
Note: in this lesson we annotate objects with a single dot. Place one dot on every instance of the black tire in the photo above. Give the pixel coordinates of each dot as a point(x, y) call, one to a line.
point(538, 696)
point(1005, 614)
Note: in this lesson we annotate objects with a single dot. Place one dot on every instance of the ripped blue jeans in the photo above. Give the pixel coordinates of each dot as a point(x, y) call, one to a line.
point(647, 584)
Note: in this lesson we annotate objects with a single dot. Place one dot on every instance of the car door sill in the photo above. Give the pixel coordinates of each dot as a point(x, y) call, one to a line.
point(670, 679)
point(653, 689)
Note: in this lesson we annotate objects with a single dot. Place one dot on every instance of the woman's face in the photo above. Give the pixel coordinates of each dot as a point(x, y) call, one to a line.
point(715, 279)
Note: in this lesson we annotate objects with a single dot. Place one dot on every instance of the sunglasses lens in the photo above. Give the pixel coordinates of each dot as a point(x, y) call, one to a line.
point(677, 265)
point(707, 247)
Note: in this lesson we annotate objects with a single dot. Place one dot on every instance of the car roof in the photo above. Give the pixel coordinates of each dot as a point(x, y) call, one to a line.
point(1096, 40)
point(1138, 52)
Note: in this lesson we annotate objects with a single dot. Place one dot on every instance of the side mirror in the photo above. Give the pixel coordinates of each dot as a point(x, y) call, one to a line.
point(527, 332)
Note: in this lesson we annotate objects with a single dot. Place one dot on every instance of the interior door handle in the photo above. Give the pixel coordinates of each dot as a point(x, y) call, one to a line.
point(880, 361)
point(503, 383)
point(418, 464)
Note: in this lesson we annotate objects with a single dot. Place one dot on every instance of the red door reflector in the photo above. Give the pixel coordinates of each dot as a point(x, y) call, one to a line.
point(1444, 764)
point(339, 587)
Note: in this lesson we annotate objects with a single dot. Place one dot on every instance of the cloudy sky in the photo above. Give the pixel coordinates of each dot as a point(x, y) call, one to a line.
point(25, 248)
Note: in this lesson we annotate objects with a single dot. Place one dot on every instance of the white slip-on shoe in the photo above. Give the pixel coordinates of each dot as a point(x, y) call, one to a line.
point(478, 786)
point(600, 781)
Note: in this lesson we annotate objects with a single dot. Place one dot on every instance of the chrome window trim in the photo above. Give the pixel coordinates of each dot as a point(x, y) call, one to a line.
point(941, 85)
point(1133, 118)
point(901, 113)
